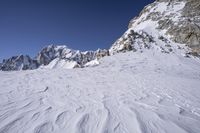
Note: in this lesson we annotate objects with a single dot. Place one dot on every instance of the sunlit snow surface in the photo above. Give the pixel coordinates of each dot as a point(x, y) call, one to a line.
point(147, 92)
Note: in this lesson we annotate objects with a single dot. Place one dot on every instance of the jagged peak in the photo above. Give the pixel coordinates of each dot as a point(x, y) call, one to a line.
point(54, 56)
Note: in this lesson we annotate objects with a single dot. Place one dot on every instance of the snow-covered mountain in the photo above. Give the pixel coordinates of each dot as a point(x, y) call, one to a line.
point(147, 85)
point(53, 56)
point(22, 62)
point(165, 25)
point(169, 26)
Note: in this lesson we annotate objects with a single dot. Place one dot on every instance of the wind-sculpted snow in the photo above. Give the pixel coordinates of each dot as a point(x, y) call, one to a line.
point(133, 92)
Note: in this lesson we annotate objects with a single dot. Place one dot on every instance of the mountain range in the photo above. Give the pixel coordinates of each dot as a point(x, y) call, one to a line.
point(148, 81)
point(170, 26)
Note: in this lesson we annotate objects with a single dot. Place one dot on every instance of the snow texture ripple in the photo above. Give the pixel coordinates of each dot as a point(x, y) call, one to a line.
point(131, 92)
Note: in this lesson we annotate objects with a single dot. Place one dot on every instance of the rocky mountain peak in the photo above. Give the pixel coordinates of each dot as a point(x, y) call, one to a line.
point(169, 23)
point(21, 62)
point(47, 54)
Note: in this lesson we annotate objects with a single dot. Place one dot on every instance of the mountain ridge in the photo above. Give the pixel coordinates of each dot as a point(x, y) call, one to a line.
point(49, 54)
point(167, 26)
point(165, 20)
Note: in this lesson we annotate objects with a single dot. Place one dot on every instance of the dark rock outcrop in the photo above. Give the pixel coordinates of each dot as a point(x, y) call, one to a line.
point(22, 62)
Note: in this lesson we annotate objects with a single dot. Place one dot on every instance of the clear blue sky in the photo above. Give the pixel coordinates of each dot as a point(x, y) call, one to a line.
point(26, 26)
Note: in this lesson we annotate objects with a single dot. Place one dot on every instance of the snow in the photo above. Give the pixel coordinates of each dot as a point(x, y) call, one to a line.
point(150, 27)
point(163, 7)
point(174, 11)
point(131, 92)
point(92, 63)
point(60, 63)
point(167, 9)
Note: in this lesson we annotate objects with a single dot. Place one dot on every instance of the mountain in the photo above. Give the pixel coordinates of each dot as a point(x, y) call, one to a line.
point(53, 56)
point(166, 25)
point(147, 82)
point(22, 62)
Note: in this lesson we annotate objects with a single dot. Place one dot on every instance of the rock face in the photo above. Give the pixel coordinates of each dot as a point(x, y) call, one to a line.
point(187, 29)
point(22, 62)
point(175, 21)
point(132, 41)
point(101, 53)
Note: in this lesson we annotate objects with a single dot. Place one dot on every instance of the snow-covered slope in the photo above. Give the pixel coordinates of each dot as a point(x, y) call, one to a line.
point(131, 92)
point(61, 63)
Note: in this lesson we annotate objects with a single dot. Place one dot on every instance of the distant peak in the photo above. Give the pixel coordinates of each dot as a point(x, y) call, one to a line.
point(53, 46)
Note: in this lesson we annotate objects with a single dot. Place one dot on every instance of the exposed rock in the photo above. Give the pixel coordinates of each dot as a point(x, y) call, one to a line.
point(101, 53)
point(132, 41)
point(22, 62)
point(178, 19)
point(49, 53)
point(62, 52)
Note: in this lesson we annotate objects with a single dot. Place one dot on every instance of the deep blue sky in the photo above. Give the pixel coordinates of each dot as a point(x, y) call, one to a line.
point(26, 26)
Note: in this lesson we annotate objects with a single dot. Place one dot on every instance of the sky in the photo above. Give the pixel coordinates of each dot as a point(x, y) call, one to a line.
point(26, 26)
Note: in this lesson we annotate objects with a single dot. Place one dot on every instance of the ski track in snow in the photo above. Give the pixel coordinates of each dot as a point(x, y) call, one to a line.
point(126, 93)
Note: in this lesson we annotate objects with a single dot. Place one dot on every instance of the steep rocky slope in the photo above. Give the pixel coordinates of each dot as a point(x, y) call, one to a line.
point(164, 24)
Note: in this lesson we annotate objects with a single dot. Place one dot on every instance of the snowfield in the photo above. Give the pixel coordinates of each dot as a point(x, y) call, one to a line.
point(149, 92)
